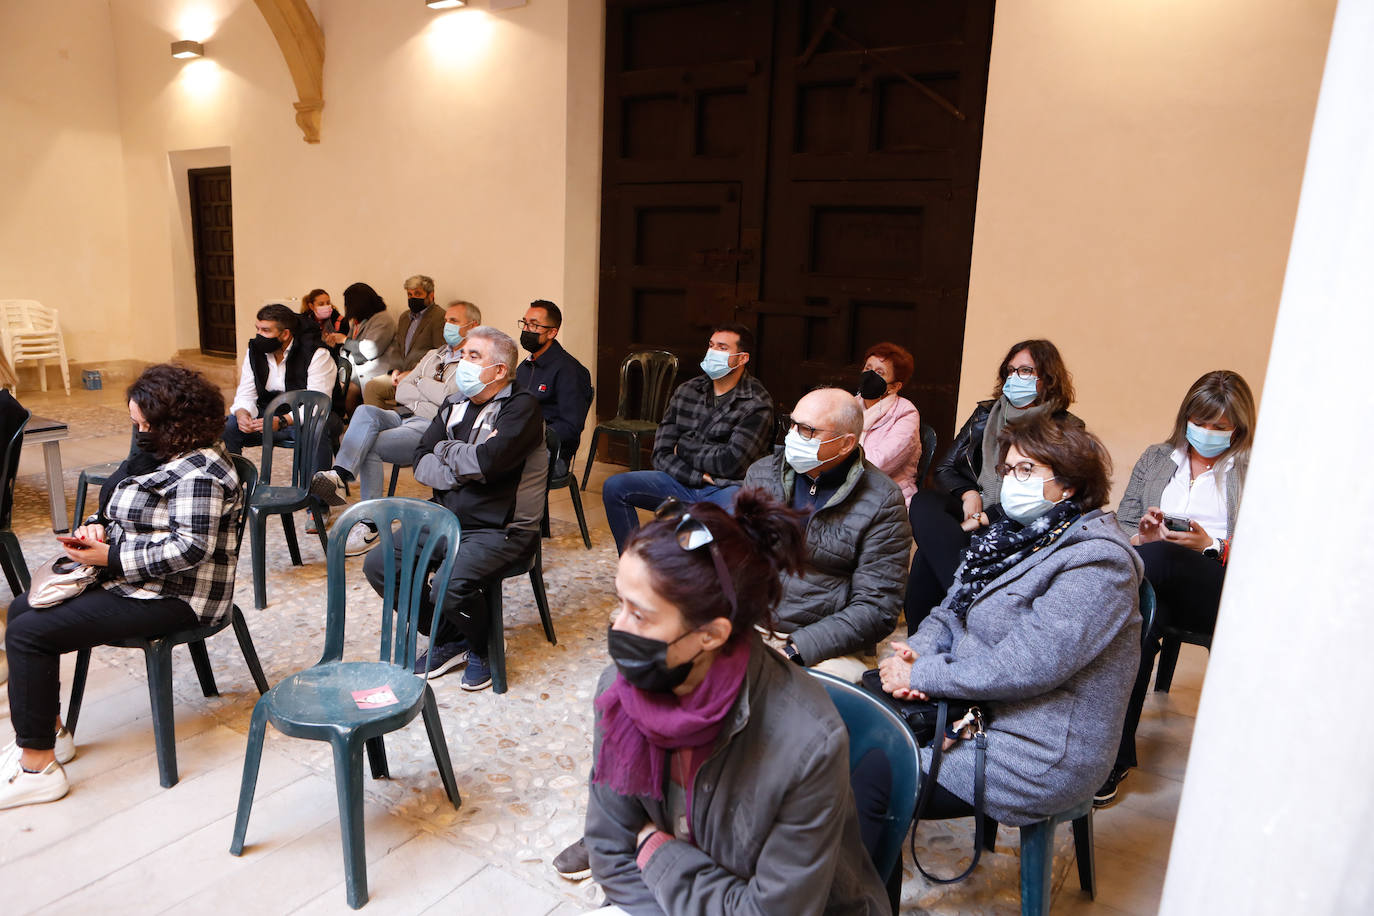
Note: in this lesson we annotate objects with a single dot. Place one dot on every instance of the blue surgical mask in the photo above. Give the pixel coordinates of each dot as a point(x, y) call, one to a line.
point(470, 378)
point(453, 335)
point(716, 364)
point(1024, 500)
point(802, 453)
point(1019, 391)
point(1208, 443)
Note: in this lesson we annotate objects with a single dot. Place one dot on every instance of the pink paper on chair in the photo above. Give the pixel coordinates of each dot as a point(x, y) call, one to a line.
point(375, 697)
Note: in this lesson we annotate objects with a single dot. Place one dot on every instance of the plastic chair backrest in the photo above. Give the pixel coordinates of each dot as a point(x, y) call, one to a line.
point(657, 369)
point(1147, 610)
point(405, 581)
point(16, 314)
point(552, 443)
point(872, 725)
point(13, 418)
point(248, 482)
point(929, 442)
point(344, 367)
point(309, 412)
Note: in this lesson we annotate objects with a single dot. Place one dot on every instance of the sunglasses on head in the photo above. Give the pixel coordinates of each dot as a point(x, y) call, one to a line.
point(692, 534)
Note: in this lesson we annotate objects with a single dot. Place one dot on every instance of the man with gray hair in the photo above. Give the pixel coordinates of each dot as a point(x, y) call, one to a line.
point(858, 539)
point(484, 457)
point(418, 331)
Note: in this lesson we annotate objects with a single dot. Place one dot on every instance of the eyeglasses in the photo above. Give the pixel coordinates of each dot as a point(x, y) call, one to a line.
point(807, 432)
point(692, 534)
point(1022, 470)
point(533, 326)
point(1025, 372)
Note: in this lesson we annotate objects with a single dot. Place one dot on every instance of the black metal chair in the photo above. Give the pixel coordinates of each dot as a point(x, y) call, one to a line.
point(657, 369)
point(13, 418)
point(95, 476)
point(157, 655)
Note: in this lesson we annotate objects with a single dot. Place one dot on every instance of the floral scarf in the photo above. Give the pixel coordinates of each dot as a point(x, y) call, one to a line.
point(1004, 544)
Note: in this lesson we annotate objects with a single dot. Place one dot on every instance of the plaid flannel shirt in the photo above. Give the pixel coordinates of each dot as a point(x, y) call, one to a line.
point(722, 439)
point(171, 533)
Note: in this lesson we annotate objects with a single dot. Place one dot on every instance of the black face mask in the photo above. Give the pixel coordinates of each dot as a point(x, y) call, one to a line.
point(643, 662)
point(265, 345)
point(530, 340)
point(146, 441)
point(416, 305)
point(872, 385)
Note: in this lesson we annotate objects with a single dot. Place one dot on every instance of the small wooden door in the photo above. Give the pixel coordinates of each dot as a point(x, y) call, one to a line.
point(212, 231)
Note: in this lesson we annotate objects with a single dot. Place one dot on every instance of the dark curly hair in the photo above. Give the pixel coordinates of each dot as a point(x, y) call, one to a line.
point(183, 409)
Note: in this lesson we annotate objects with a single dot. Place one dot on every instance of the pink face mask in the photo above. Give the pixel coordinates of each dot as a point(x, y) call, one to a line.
point(323, 311)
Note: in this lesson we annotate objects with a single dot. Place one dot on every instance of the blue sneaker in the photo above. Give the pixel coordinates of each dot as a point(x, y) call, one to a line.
point(478, 673)
point(442, 659)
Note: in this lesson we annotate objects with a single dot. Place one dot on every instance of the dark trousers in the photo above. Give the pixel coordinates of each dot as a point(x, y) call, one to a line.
point(482, 553)
point(940, 543)
point(1187, 594)
point(36, 638)
point(235, 440)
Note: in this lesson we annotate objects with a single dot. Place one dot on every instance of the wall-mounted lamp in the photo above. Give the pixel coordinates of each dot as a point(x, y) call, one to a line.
point(184, 49)
point(445, 4)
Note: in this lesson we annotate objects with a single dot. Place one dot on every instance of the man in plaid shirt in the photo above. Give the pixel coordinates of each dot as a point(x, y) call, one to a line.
point(715, 426)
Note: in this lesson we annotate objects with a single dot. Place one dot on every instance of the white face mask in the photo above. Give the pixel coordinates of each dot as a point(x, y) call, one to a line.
point(1024, 500)
point(802, 453)
point(716, 365)
point(470, 378)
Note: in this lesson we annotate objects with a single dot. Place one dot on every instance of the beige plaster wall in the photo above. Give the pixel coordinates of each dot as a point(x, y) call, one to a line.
point(1140, 176)
point(62, 208)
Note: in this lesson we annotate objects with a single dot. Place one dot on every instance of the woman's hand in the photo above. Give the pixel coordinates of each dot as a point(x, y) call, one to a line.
point(1195, 538)
point(1151, 527)
point(973, 511)
point(89, 533)
point(895, 673)
point(334, 340)
point(94, 554)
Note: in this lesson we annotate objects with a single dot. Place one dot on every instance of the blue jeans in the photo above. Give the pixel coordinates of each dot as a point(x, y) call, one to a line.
point(623, 493)
point(376, 435)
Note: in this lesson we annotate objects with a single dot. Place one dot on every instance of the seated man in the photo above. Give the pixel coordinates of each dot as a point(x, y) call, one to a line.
point(418, 331)
point(375, 435)
point(715, 426)
point(858, 539)
point(277, 361)
point(561, 385)
point(484, 456)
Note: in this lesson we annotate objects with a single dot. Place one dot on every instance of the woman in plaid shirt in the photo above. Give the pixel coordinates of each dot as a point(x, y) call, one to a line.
point(164, 540)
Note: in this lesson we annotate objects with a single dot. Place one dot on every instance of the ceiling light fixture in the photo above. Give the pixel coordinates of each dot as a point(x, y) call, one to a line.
point(445, 4)
point(184, 49)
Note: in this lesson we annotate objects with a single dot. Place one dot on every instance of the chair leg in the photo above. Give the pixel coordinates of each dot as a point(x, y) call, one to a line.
point(1083, 850)
point(376, 758)
point(83, 664)
point(591, 456)
point(12, 558)
point(158, 660)
point(573, 491)
point(989, 834)
point(544, 531)
point(250, 654)
point(634, 451)
point(434, 727)
point(257, 537)
point(1168, 659)
point(1037, 860)
point(79, 510)
point(318, 515)
point(288, 527)
point(348, 786)
point(395, 477)
point(201, 659)
point(252, 757)
point(541, 598)
point(496, 641)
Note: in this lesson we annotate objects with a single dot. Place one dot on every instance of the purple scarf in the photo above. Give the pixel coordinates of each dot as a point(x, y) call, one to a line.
point(638, 728)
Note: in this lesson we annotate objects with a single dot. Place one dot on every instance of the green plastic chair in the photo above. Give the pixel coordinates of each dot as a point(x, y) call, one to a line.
point(95, 476)
point(569, 480)
point(328, 702)
point(157, 655)
point(491, 593)
point(657, 369)
point(13, 418)
point(929, 442)
point(872, 725)
point(309, 411)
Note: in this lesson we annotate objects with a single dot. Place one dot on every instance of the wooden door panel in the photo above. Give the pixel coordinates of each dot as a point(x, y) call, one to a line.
point(212, 233)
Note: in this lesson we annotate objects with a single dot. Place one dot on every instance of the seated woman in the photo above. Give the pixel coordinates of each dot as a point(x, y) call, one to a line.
point(1041, 628)
point(1031, 380)
point(891, 439)
point(320, 319)
point(721, 776)
point(372, 344)
point(1180, 510)
point(164, 541)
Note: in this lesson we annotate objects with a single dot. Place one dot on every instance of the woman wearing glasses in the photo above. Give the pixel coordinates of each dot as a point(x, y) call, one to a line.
point(721, 776)
point(1041, 628)
point(1180, 511)
point(1031, 381)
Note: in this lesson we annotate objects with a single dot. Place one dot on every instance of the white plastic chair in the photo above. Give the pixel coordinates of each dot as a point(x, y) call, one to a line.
point(29, 330)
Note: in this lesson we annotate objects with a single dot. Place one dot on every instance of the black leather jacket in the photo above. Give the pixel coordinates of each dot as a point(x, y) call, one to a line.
point(958, 471)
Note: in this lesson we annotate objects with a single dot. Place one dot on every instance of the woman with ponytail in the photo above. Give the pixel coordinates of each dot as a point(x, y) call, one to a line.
point(721, 775)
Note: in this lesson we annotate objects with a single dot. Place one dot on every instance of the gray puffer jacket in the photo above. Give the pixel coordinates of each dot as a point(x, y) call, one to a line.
point(773, 818)
point(857, 548)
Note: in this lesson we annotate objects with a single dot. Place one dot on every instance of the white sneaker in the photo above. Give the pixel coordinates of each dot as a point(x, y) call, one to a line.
point(20, 787)
point(361, 539)
point(325, 485)
point(64, 749)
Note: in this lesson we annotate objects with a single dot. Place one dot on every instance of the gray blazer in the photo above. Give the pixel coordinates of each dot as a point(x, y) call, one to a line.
point(1050, 649)
point(375, 349)
point(772, 814)
point(1152, 474)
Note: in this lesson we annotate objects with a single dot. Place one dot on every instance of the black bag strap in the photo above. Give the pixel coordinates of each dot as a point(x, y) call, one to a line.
point(980, 750)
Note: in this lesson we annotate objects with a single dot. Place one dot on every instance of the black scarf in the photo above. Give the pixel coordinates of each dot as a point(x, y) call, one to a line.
point(1002, 546)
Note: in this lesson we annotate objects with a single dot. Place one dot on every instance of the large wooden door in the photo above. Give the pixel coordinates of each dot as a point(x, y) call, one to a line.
point(212, 232)
point(806, 167)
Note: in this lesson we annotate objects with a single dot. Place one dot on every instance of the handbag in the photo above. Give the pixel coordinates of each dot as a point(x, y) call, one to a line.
point(58, 580)
point(919, 715)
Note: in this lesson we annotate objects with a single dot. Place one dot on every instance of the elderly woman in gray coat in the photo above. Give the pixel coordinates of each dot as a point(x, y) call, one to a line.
point(1041, 626)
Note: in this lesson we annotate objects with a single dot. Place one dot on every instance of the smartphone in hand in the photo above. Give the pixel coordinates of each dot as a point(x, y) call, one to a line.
point(1178, 523)
point(77, 543)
